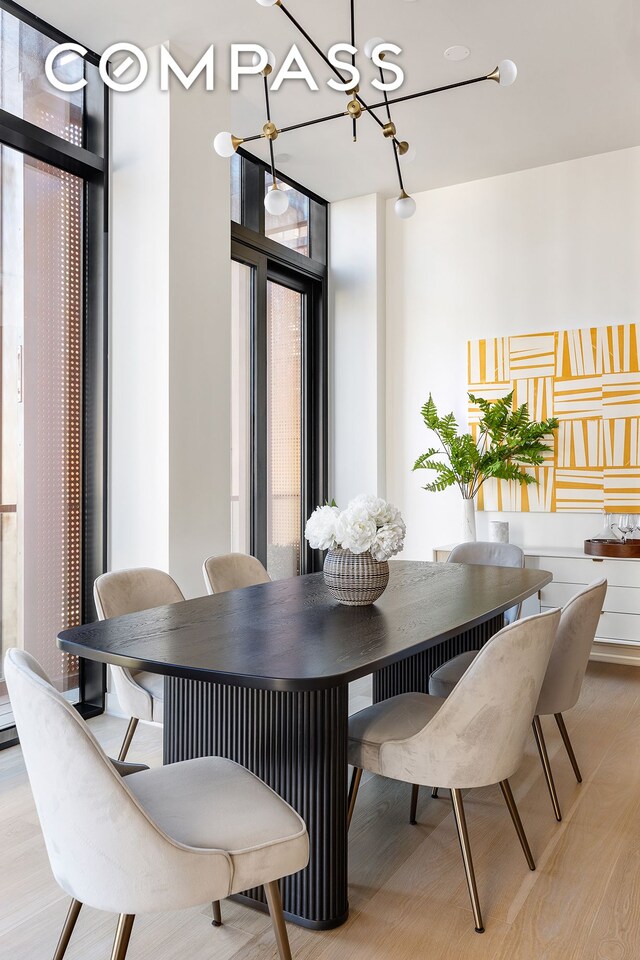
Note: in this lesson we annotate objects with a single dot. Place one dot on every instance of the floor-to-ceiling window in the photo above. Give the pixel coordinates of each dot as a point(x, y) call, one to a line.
point(279, 369)
point(52, 262)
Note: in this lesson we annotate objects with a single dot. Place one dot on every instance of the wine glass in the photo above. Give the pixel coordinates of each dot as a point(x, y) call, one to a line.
point(627, 523)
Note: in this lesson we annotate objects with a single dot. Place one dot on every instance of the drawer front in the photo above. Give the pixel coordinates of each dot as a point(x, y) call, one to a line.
point(617, 626)
point(582, 570)
point(618, 599)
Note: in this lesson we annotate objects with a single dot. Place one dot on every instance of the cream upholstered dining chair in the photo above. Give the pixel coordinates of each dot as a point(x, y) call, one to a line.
point(563, 680)
point(232, 572)
point(474, 738)
point(162, 839)
point(486, 553)
point(140, 693)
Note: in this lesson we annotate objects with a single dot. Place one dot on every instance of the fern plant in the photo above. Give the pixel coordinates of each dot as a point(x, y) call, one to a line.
point(508, 442)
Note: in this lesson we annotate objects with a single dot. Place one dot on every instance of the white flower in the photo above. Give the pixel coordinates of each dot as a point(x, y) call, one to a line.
point(321, 528)
point(367, 523)
point(355, 530)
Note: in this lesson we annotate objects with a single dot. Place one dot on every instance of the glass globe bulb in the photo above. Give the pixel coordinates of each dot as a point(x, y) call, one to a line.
point(405, 207)
point(410, 155)
point(271, 58)
point(276, 201)
point(223, 144)
point(508, 72)
point(370, 46)
point(267, 3)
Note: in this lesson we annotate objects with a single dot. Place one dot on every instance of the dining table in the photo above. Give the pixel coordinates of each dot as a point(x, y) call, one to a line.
point(261, 675)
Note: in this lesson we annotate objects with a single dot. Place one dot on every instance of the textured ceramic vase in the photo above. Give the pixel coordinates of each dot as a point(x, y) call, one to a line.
point(355, 579)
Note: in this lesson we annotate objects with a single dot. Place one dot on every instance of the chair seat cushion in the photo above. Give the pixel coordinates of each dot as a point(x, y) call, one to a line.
point(443, 680)
point(153, 683)
point(213, 803)
point(394, 719)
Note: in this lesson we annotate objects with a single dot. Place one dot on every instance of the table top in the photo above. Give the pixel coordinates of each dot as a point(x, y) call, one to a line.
point(292, 635)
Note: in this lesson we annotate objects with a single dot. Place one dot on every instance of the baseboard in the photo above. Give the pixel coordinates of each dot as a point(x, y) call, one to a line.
point(616, 653)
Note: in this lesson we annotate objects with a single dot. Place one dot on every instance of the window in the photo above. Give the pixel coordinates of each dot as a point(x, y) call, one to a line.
point(52, 246)
point(279, 370)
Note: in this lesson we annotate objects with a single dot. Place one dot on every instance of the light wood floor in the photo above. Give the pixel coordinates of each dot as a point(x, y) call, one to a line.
point(407, 890)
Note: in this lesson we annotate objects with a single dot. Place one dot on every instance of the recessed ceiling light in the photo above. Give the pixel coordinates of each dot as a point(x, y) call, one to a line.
point(457, 52)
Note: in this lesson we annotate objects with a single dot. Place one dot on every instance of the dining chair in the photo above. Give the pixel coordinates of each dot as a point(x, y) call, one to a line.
point(487, 553)
point(140, 693)
point(474, 738)
point(162, 839)
point(232, 572)
point(563, 679)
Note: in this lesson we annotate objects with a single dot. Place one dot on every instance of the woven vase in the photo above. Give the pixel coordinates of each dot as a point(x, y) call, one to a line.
point(355, 579)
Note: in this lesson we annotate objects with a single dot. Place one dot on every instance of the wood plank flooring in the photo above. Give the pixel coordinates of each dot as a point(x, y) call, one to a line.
point(407, 890)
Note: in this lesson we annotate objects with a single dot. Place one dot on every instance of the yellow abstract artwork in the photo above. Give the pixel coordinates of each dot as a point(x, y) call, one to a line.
point(590, 380)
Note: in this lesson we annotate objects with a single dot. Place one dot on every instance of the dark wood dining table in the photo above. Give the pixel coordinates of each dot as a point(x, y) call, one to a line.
point(260, 675)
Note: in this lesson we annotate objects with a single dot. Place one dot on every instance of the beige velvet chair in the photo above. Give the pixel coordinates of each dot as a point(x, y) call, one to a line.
point(140, 693)
point(232, 572)
point(563, 680)
point(487, 553)
point(474, 738)
point(162, 839)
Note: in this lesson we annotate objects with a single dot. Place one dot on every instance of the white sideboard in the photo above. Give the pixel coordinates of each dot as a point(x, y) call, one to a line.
point(618, 636)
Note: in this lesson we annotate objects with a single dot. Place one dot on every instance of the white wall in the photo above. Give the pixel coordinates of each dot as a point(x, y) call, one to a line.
point(170, 330)
point(357, 347)
point(552, 248)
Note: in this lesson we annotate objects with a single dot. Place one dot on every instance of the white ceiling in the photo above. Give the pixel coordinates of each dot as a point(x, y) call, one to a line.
point(577, 91)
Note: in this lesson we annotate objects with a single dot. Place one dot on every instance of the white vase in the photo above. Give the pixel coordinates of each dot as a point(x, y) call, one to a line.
point(468, 520)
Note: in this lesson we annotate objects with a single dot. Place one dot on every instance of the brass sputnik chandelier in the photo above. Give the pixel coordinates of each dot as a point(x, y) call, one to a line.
point(276, 200)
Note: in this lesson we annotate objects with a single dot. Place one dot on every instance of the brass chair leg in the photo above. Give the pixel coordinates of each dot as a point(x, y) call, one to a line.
point(217, 914)
point(72, 915)
point(415, 790)
point(128, 737)
point(505, 786)
point(123, 935)
point(463, 837)
point(354, 786)
point(434, 793)
point(564, 733)
point(277, 919)
point(546, 766)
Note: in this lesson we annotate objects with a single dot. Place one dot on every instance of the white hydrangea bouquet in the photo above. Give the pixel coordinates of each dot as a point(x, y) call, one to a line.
point(360, 540)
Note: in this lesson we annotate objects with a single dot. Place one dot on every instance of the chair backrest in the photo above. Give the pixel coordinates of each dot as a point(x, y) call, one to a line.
point(232, 572)
point(104, 849)
point(491, 554)
point(478, 735)
point(570, 654)
point(129, 591)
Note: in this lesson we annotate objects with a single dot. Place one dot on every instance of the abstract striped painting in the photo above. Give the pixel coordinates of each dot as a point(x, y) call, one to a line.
point(590, 380)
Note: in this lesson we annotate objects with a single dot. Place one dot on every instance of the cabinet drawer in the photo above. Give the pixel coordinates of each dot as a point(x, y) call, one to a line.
point(618, 599)
point(617, 626)
point(582, 570)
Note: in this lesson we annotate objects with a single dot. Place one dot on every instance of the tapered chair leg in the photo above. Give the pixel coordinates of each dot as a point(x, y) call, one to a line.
point(567, 743)
point(546, 766)
point(217, 914)
point(434, 793)
point(74, 910)
point(505, 786)
point(415, 790)
point(123, 935)
point(354, 786)
point(277, 919)
point(463, 837)
point(128, 737)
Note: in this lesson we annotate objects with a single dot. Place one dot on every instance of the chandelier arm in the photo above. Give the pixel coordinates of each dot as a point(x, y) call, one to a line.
point(427, 93)
point(268, 108)
point(354, 122)
point(398, 167)
point(324, 57)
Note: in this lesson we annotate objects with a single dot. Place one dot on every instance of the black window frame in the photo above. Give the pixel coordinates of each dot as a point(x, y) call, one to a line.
point(89, 162)
point(308, 275)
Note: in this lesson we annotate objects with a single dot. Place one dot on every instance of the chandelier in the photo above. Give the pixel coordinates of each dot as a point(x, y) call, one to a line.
point(276, 200)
